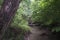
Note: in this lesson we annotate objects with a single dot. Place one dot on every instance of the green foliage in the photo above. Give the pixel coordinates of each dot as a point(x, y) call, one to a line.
point(20, 22)
point(20, 19)
point(14, 34)
point(46, 12)
point(19, 25)
point(57, 29)
point(1, 1)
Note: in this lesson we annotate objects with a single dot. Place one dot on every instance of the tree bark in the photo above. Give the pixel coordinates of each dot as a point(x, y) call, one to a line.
point(7, 12)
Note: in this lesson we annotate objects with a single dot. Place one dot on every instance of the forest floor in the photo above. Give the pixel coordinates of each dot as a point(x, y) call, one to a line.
point(36, 34)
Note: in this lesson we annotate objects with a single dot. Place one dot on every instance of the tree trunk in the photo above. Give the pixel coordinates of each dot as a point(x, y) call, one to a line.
point(7, 12)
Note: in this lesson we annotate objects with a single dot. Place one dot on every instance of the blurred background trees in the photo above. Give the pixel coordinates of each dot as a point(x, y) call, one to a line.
point(46, 13)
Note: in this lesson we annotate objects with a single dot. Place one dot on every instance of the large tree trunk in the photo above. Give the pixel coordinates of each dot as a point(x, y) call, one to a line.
point(8, 10)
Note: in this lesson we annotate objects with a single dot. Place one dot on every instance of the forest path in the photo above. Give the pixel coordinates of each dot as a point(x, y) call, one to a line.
point(36, 34)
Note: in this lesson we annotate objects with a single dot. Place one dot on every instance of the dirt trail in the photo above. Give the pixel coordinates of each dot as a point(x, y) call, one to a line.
point(36, 34)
